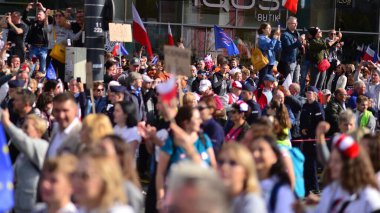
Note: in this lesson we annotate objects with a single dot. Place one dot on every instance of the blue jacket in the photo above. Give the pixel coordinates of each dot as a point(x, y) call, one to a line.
point(290, 44)
point(269, 47)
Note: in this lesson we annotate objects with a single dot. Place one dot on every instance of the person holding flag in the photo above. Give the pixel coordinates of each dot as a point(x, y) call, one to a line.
point(222, 40)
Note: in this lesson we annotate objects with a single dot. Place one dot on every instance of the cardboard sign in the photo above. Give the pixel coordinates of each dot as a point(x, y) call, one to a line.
point(177, 60)
point(89, 80)
point(120, 32)
point(75, 63)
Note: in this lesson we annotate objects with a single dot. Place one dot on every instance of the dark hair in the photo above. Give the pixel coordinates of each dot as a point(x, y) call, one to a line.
point(279, 168)
point(109, 64)
point(185, 113)
point(210, 102)
point(43, 100)
point(282, 114)
point(130, 110)
point(236, 107)
point(262, 27)
point(50, 85)
point(63, 97)
point(27, 96)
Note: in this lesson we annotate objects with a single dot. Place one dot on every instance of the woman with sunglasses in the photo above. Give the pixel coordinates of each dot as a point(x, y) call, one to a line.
point(318, 49)
point(185, 142)
point(273, 175)
point(28, 140)
point(98, 184)
point(352, 185)
point(58, 33)
point(236, 129)
point(238, 173)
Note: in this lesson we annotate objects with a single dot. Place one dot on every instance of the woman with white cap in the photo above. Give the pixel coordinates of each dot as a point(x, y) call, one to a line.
point(353, 186)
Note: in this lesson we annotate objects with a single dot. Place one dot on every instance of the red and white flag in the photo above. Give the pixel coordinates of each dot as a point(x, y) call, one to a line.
point(291, 5)
point(369, 54)
point(139, 32)
point(167, 90)
point(170, 36)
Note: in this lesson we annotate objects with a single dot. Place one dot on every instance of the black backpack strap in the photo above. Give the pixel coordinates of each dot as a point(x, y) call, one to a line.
point(273, 196)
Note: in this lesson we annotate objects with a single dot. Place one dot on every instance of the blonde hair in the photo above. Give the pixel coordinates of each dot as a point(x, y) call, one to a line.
point(64, 164)
point(98, 126)
point(110, 173)
point(188, 99)
point(39, 124)
point(244, 158)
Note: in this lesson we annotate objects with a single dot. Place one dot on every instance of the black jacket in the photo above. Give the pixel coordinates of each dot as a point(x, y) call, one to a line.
point(311, 115)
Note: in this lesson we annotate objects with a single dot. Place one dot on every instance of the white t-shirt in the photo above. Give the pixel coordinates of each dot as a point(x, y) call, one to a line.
point(285, 195)
point(128, 134)
point(334, 197)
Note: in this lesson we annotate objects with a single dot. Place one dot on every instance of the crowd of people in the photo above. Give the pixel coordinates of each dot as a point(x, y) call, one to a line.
point(234, 139)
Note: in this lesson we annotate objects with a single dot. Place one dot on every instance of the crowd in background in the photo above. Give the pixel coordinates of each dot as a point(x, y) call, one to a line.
point(225, 138)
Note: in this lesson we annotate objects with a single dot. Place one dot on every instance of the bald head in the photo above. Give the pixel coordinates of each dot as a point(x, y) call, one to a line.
point(340, 95)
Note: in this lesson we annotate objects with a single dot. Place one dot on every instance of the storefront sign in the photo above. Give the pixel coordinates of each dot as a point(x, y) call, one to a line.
point(344, 3)
point(266, 5)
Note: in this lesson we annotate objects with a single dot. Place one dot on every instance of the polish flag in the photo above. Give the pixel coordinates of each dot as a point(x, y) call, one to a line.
point(167, 90)
point(139, 32)
point(170, 36)
point(119, 49)
point(291, 5)
point(369, 54)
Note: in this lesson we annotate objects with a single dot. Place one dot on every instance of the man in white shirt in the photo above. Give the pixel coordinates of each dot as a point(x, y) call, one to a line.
point(65, 136)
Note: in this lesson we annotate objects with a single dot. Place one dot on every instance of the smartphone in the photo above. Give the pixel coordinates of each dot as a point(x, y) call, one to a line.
point(79, 80)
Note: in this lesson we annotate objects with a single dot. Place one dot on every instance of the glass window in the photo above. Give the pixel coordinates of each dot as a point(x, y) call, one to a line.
point(362, 17)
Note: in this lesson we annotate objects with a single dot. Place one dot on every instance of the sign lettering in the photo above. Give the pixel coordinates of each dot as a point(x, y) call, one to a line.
point(268, 5)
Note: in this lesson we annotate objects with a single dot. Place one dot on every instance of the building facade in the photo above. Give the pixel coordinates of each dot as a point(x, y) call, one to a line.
point(193, 20)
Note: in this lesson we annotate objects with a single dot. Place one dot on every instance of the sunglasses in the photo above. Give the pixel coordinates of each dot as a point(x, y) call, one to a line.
point(221, 162)
point(100, 90)
point(201, 108)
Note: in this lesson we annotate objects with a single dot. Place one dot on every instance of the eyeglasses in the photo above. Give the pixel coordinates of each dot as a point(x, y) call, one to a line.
point(100, 90)
point(221, 162)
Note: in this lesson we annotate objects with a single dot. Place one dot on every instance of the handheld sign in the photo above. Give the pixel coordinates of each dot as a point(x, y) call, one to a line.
point(177, 60)
point(120, 32)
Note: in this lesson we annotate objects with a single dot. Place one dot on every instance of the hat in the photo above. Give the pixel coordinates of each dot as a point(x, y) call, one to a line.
point(269, 77)
point(204, 85)
point(120, 89)
point(241, 106)
point(248, 87)
point(113, 83)
point(326, 92)
point(202, 72)
point(147, 79)
point(235, 70)
point(134, 61)
point(237, 85)
point(346, 145)
point(313, 31)
point(312, 89)
point(16, 83)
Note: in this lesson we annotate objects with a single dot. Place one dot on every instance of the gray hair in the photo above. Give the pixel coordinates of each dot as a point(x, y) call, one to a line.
point(212, 195)
point(346, 116)
point(358, 84)
point(291, 18)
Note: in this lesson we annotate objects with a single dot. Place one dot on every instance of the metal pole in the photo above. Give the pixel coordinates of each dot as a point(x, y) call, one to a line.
point(183, 18)
point(334, 14)
point(205, 43)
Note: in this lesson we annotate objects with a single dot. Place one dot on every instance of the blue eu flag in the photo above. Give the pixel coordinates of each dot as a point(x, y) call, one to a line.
point(50, 73)
point(6, 175)
point(222, 40)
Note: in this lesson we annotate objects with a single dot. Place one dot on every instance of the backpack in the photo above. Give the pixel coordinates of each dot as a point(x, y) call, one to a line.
point(175, 147)
point(298, 160)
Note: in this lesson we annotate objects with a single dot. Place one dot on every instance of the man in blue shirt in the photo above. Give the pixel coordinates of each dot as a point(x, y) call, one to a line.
point(291, 41)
